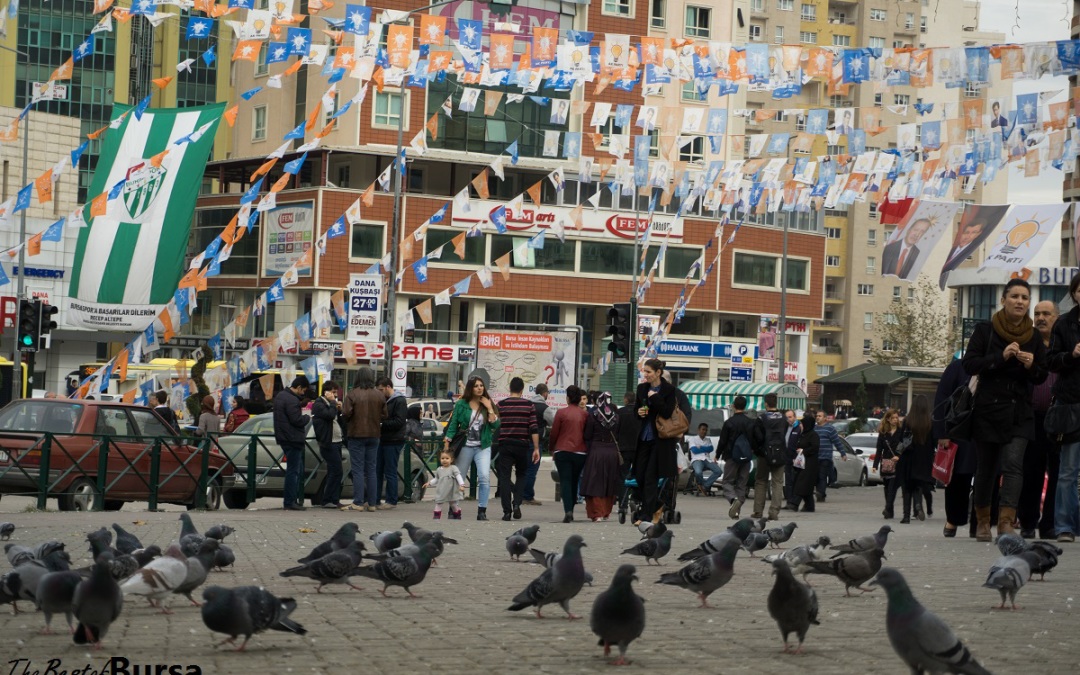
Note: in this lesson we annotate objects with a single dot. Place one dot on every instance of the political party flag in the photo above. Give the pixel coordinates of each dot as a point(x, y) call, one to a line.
point(127, 263)
point(912, 242)
point(1022, 233)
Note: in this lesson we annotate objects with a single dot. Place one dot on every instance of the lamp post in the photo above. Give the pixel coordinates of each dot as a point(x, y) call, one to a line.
point(16, 360)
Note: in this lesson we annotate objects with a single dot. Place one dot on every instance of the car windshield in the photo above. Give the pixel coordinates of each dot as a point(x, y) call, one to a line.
point(249, 426)
point(40, 415)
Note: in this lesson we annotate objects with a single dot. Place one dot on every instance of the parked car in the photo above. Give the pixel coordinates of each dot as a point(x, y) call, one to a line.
point(433, 430)
point(78, 428)
point(270, 478)
point(842, 426)
point(866, 445)
point(851, 472)
point(440, 406)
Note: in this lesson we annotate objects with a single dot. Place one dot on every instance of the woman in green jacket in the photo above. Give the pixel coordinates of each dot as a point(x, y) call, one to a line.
point(476, 415)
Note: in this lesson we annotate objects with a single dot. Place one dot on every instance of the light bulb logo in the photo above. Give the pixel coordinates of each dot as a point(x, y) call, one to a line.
point(616, 51)
point(1020, 234)
point(259, 25)
point(576, 56)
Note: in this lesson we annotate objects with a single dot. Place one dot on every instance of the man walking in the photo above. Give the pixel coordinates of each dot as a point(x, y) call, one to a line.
point(162, 408)
point(518, 446)
point(830, 439)
point(544, 416)
point(701, 451)
point(391, 441)
point(740, 439)
point(791, 446)
point(771, 460)
point(363, 409)
point(1035, 512)
point(330, 434)
point(290, 432)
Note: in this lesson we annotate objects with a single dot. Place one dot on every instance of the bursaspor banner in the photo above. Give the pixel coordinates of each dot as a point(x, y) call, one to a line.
point(129, 261)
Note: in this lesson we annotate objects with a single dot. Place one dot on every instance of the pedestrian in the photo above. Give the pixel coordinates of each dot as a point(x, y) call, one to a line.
point(809, 450)
point(1065, 362)
point(791, 446)
point(518, 443)
point(830, 440)
point(329, 423)
point(545, 414)
point(476, 415)
point(363, 409)
point(886, 456)
point(449, 485)
point(916, 458)
point(601, 478)
point(209, 420)
point(629, 428)
point(290, 432)
point(1035, 509)
point(775, 427)
point(162, 408)
point(958, 492)
point(740, 439)
point(1008, 356)
point(414, 428)
point(701, 458)
point(237, 416)
point(655, 459)
point(391, 441)
point(568, 448)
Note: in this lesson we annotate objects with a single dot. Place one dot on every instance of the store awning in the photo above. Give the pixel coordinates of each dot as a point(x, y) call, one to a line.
point(706, 395)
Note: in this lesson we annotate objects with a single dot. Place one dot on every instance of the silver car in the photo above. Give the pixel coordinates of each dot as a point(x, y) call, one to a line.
point(865, 445)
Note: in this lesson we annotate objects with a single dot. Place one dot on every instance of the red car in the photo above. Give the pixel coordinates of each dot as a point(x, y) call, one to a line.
point(79, 429)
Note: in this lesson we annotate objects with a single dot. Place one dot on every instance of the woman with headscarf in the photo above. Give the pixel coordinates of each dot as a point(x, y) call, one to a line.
point(602, 475)
point(209, 420)
point(807, 448)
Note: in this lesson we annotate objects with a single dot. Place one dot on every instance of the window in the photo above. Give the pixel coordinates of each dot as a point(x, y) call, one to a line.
point(619, 7)
point(367, 241)
point(688, 92)
point(878, 15)
point(261, 66)
point(823, 370)
point(694, 151)
point(837, 101)
point(658, 16)
point(474, 248)
point(868, 320)
point(871, 237)
point(258, 123)
point(873, 210)
point(901, 99)
point(808, 12)
point(677, 262)
point(871, 265)
point(697, 21)
point(833, 151)
point(808, 37)
point(755, 32)
point(798, 275)
point(800, 122)
point(755, 270)
point(387, 109)
point(877, 43)
point(841, 40)
point(866, 289)
point(343, 174)
point(832, 232)
point(786, 5)
point(971, 90)
point(867, 346)
point(832, 261)
point(779, 36)
point(781, 116)
point(896, 292)
point(877, 100)
point(922, 24)
point(909, 21)
point(598, 257)
point(888, 346)
point(898, 44)
point(757, 5)
point(911, 295)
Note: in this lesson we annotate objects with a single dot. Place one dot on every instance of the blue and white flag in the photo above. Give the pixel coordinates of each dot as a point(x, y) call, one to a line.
point(420, 269)
point(199, 27)
point(357, 19)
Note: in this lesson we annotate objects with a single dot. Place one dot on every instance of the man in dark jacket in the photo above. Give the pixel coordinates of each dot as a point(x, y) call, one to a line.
point(162, 408)
point(629, 428)
point(544, 416)
point(830, 440)
point(290, 432)
point(740, 439)
point(791, 442)
point(330, 434)
point(391, 441)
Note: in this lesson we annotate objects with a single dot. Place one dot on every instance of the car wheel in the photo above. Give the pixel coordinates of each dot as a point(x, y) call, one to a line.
point(863, 478)
point(113, 504)
point(235, 499)
point(213, 496)
point(79, 496)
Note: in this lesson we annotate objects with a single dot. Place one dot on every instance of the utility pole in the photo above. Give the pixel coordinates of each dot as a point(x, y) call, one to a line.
point(16, 356)
point(781, 337)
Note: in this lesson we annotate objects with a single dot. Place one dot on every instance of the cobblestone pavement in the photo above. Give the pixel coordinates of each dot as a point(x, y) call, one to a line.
point(461, 624)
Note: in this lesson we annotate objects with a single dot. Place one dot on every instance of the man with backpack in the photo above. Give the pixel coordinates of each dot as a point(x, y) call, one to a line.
point(740, 439)
point(771, 460)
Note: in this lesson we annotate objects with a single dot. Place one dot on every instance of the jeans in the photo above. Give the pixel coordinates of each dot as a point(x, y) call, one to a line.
point(824, 475)
point(482, 457)
point(570, 466)
point(736, 480)
point(789, 481)
point(765, 475)
point(363, 453)
point(386, 470)
point(331, 456)
point(528, 489)
point(1008, 458)
point(1066, 503)
point(516, 457)
point(294, 472)
point(700, 465)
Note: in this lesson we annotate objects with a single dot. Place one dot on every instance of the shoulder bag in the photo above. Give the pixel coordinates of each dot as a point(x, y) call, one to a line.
point(1062, 420)
point(675, 426)
point(458, 441)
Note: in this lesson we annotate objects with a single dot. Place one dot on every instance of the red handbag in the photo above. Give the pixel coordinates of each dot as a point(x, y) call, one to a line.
point(943, 463)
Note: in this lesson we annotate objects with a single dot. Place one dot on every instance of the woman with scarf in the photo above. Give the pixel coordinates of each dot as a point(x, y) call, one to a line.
point(1008, 356)
point(602, 475)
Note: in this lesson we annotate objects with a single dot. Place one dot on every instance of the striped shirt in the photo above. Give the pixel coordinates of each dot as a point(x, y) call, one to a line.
point(517, 416)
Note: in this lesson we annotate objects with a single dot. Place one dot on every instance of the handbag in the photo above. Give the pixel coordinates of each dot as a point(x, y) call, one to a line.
point(799, 462)
point(943, 463)
point(1062, 419)
point(675, 426)
point(959, 408)
point(887, 467)
point(459, 438)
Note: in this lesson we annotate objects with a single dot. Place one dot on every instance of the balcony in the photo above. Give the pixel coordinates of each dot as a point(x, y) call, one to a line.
point(835, 296)
point(827, 324)
point(825, 349)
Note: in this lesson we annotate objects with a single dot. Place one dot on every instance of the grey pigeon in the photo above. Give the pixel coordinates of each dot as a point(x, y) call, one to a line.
point(190, 539)
point(705, 575)
point(30, 574)
point(712, 545)
point(754, 542)
point(653, 549)
point(651, 530)
point(333, 568)
point(6, 530)
point(853, 570)
point(1008, 575)
point(865, 542)
point(123, 566)
point(529, 533)
point(219, 532)
point(618, 614)
point(55, 594)
point(157, 579)
point(741, 528)
point(436, 538)
point(517, 546)
point(549, 559)
point(126, 542)
point(922, 640)
point(558, 584)
point(96, 604)
point(419, 535)
point(198, 567)
point(386, 540)
point(100, 541)
point(792, 605)
point(345, 535)
point(760, 524)
point(18, 554)
point(1044, 557)
point(798, 557)
point(47, 548)
point(245, 611)
point(145, 555)
point(10, 584)
point(405, 571)
point(780, 535)
point(223, 557)
point(1011, 544)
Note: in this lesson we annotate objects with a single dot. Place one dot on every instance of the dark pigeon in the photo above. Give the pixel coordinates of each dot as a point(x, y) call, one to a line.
point(618, 614)
point(198, 567)
point(549, 559)
point(100, 541)
point(96, 604)
point(386, 540)
point(55, 595)
point(345, 535)
point(653, 549)
point(798, 558)
point(219, 532)
point(705, 575)
point(529, 533)
point(145, 555)
point(754, 542)
point(30, 574)
point(517, 546)
point(126, 542)
point(650, 530)
point(1011, 544)
point(419, 535)
point(190, 539)
point(247, 610)
point(1044, 558)
point(6, 530)
point(853, 570)
point(864, 543)
point(405, 571)
point(333, 568)
point(558, 584)
point(792, 605)
point(713, 544)
point(10, 584)
point(223, 557)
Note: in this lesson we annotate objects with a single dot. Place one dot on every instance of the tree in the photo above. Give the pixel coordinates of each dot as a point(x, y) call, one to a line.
point(194, 401)
point(859, 423)
point(917, 331)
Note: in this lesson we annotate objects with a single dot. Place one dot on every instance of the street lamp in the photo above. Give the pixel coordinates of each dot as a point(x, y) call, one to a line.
point(16, 375)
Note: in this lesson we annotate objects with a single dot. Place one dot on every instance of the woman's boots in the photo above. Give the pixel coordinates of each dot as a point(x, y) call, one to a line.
point(1006, 517)
point(982, 528)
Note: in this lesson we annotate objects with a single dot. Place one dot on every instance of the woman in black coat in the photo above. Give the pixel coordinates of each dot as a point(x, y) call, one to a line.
point(888, 440)
point(656, 397)
point(1065, 361)
point(807, 480)
point(1007, 354)
point(957, 492)
point(914, 470)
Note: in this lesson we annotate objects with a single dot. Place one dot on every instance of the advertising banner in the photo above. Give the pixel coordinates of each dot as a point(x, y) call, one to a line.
point(548, 357)
point(287, 231)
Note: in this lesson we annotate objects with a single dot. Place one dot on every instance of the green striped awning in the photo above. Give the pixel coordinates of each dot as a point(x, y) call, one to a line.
point(708, 395)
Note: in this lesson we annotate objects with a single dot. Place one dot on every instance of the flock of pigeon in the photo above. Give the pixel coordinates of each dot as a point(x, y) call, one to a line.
point(91, 598)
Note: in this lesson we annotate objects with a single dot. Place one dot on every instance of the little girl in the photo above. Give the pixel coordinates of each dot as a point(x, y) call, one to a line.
point(445, 477)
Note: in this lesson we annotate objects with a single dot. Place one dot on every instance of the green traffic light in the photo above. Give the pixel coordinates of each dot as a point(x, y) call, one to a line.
point(28, 340)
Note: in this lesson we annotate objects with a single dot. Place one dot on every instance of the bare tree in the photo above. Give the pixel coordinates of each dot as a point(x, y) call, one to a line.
point(918, 331)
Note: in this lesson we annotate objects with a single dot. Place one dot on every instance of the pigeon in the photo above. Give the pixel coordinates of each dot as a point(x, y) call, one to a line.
point(922, 640)
point(712, 545)
point(126, 542)
point(854, 570)
point(760, 524)
point(705, 575)
point(190, 539)
point(10, 584)
point(1011, 544)
point(419, 535)
point(345, 535)
point(158, 578)
point(529, 533)
point(17, 554)
point(754, 542)
point(549, 559)
point(741, 528)
point(560, 583)
point(386, 540)
point(223, 557)
point(653, 549)
point(198, 567)
point(1044, 558)
point(798, 557)
point(333, 568)
point(780, 535)
point(47, 548)
point(96, 604)
point(247, 610)
point(100, 541)
point(1008, 575)
point(55, 593)
point(219, 532)
point(618, 614)
point(6, 530)
point(517, 546)
point(792, 605)
point(864, 543)
point(651, 530)
point(145, 555)
point(30, 574)
point(404, 571)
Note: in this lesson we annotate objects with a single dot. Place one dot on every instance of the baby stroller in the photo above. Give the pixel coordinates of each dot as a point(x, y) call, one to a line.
point(630, 499)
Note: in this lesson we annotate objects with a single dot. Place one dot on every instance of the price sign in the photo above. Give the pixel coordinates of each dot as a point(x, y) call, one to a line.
point(365, 306)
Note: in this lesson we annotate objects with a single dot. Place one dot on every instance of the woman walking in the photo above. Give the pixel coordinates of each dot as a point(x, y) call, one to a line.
point(807, 448)
point(209, 420)
point(958, 491)
point(916, 450)
point(1065, 361)
point(656, 458)
point(1008, 356)
point(885, 458)
point(567, 443)
point(602, 476)
point(475, 414)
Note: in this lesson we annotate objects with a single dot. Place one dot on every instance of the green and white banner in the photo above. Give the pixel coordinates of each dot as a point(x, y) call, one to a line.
point(129, 261)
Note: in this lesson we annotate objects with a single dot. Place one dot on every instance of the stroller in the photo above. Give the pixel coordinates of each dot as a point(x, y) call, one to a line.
point(630, 498)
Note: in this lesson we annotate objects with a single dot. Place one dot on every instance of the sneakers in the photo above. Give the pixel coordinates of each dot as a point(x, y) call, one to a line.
point(1066, 537)
point(756, 515)
point(455, 515)
point(370, 509)
point(386, 506)
point(438, 515)
point(736, 506)
point(353, 507)
point(533, 502)
point(294, 507)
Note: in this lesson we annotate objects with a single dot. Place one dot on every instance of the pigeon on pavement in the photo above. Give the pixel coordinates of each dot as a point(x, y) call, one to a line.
point(333, 568)
point(549, 559)
point(705, 575)
point(653, 549)
point(558, 584)
point(922, 640)
point(10, 585)
point(126, 542)
point(223, 557)
point(219, 532)
point(47, 548)
point(419, 535)
point(6, 530)
point(650, 530)
point(798, 557)
point(386, 540)
point(1011, 544)
point(1008, 575)
point(754, 542)
point(405, 571)
point(30, 574)
point(865, 542)
point(55, 594)
point(96, 604)
point(18, 554)
point(157, 579)
point(760, 525)
point(345, 535)
point(145, 555)
point(853, 570)
point(1044, 557)
point(618, 614)
point(100, 541)
point(712, 545)
point(792, 605)
point(190, 539)
point(517, 546)
point(198, 567)
point(780, 535)
point(529, 533)
point(245, 611)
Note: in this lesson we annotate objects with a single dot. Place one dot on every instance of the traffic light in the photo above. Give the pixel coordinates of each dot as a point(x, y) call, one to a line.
point(29, 325)
point(47, 322)
point(621, 330)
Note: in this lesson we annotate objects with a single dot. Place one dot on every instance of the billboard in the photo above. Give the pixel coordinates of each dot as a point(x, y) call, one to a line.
point(548, 357)
point(287, 231)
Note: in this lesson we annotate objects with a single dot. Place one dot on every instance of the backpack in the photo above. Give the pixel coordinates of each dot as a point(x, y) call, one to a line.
point(741, 451)
point(774, 451)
